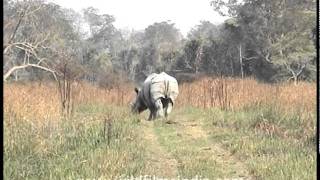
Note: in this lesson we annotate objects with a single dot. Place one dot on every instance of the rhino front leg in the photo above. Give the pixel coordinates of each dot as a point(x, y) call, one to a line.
point(152, 114)
point(159, 108)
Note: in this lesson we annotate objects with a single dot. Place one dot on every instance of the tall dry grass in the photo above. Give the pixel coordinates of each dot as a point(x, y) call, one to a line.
point(31, 101)
point(42, 101)
point(232, 94)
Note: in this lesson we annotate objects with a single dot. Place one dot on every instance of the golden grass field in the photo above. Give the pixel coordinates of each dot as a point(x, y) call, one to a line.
point(42, 101)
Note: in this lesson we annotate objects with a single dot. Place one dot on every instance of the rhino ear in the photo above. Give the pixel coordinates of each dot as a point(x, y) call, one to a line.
point(136, 90)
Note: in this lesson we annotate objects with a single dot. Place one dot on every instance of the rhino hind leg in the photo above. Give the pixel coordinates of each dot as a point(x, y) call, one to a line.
point(159, 108)
point(168, 109)
point(167, 106)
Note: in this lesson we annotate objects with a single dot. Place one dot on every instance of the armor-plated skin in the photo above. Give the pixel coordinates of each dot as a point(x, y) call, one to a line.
point(157, 94)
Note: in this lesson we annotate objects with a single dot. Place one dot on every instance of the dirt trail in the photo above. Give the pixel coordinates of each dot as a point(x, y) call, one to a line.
point(220, 155)
point(160, 163)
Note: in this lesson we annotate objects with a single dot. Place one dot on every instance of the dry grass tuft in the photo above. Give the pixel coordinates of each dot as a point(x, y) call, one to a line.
point(32, 101)
point(42, 102)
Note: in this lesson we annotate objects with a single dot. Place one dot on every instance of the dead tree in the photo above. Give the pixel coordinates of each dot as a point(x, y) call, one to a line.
point(31, 52)
point(30, 47)
point(69, 72)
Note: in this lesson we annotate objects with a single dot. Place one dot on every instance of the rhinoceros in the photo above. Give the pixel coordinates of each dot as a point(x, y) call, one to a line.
point(158, 94)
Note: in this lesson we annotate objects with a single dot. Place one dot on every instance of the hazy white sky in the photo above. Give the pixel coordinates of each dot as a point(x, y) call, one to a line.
point(138, 14)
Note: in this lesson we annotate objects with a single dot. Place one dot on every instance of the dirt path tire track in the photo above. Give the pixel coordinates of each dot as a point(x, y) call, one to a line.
point(192, 129)
point(160, 163)
point(221, 155)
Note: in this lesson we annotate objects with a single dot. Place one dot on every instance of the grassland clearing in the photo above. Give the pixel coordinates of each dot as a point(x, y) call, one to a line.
point(219, 128)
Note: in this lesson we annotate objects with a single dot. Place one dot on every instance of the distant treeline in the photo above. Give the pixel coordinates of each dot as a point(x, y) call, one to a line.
point(271, 40)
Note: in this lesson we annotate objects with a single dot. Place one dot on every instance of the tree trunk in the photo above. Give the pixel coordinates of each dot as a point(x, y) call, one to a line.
point(295, 78)
point(241, 62)
point(16, 75)
point(198, 58)
point(232, 68)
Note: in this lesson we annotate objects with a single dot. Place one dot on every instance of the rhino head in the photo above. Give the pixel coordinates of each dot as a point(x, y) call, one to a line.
point(138, 105)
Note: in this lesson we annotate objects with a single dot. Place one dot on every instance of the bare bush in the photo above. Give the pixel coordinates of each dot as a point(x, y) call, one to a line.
point(109, 80)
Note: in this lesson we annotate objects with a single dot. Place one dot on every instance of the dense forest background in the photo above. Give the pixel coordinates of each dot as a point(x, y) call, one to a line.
point(270, 40)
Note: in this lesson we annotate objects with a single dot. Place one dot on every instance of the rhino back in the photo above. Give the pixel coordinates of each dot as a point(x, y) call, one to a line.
point(163, 86)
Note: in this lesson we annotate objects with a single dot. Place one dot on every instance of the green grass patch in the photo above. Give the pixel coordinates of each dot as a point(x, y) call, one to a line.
point(74, 148)
point(271, 144)
point(274, 145)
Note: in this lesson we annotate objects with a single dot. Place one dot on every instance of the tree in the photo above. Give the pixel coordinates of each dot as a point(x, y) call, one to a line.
point(36, 35)
point(103, 44)
point(203, 34)
point(161, 42)
point(294, 50)
point(267, 25)
point(21, 44)
point(205, 31)
point(44, 36)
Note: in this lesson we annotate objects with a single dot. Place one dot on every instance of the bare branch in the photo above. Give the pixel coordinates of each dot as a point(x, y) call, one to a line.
point(7, 74)
point(31, 12)
point(21, 16)
point(250, 58)
point(294, 74)
point(301, 70)
point(291, 70)
point(265, 57)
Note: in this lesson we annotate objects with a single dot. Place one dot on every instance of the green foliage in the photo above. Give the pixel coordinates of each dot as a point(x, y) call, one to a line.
point(187, 61)
point(270, 40)
point(161, 42)
point(274, 32)
point(204, 32)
